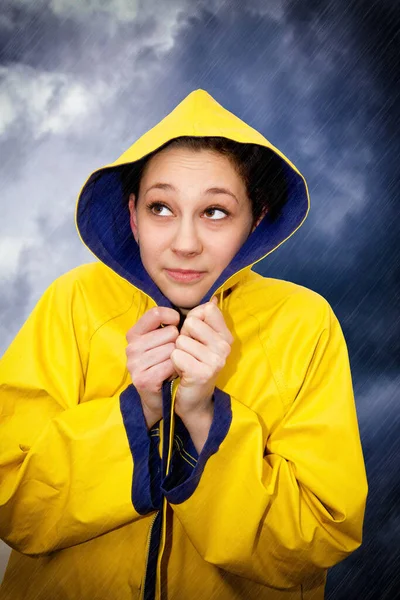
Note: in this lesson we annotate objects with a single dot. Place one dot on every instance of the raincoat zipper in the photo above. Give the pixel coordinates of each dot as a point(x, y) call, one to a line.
point(147, 555)
point(144, 581)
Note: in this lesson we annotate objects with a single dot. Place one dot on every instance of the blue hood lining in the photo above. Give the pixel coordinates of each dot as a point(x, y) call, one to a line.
point(103, 221)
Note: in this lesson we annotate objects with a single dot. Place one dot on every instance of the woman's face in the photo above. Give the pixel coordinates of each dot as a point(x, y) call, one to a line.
point(184, 220)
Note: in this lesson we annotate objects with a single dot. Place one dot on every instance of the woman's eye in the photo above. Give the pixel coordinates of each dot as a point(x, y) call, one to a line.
point(156, 205)
point(215, 209)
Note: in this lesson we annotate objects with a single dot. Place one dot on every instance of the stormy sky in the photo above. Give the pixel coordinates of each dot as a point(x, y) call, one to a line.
point(81, 81)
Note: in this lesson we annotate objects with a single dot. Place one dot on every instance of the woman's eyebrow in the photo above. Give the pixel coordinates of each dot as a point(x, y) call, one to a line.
point(170, 188)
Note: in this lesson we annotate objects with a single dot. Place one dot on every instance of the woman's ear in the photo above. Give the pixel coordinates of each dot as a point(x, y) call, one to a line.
point(260, 219)
point(133, 216)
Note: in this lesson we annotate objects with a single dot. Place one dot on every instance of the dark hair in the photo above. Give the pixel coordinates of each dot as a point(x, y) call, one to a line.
point(260, 168)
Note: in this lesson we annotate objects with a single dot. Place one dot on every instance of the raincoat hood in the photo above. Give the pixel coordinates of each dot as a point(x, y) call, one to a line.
point(102, 219)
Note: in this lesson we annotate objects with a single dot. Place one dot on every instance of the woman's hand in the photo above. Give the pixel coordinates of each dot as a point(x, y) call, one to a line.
point(148, 357)
point(200, 353)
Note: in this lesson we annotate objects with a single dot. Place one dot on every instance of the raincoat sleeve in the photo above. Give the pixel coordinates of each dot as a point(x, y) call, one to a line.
point(278, 506)
point(184, 456)
point(68, 471)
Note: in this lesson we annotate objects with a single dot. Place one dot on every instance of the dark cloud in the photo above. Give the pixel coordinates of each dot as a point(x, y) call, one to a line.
point(31, 34)
point(373, 570)
point(366, 293)
point(35, 37)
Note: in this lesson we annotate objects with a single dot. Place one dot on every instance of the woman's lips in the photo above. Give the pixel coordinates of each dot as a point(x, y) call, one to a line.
point(185, 275)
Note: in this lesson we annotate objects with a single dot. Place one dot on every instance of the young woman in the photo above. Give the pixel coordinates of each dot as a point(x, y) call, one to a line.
point(174, 425)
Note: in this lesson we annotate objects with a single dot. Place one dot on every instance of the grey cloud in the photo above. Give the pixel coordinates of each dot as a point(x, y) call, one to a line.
point(56, 251)
point(14, 306)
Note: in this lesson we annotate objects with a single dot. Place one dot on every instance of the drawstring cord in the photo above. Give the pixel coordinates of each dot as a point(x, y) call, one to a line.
point(221, 299)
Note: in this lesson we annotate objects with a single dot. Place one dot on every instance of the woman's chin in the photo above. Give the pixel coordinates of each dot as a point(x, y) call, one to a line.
point(183, 309)
point(185, 301)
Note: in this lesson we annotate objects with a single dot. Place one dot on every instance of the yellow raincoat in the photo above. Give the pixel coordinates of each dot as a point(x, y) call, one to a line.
point(97, 507)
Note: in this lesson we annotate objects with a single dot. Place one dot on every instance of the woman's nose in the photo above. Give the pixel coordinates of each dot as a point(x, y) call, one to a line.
point(186, 239)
